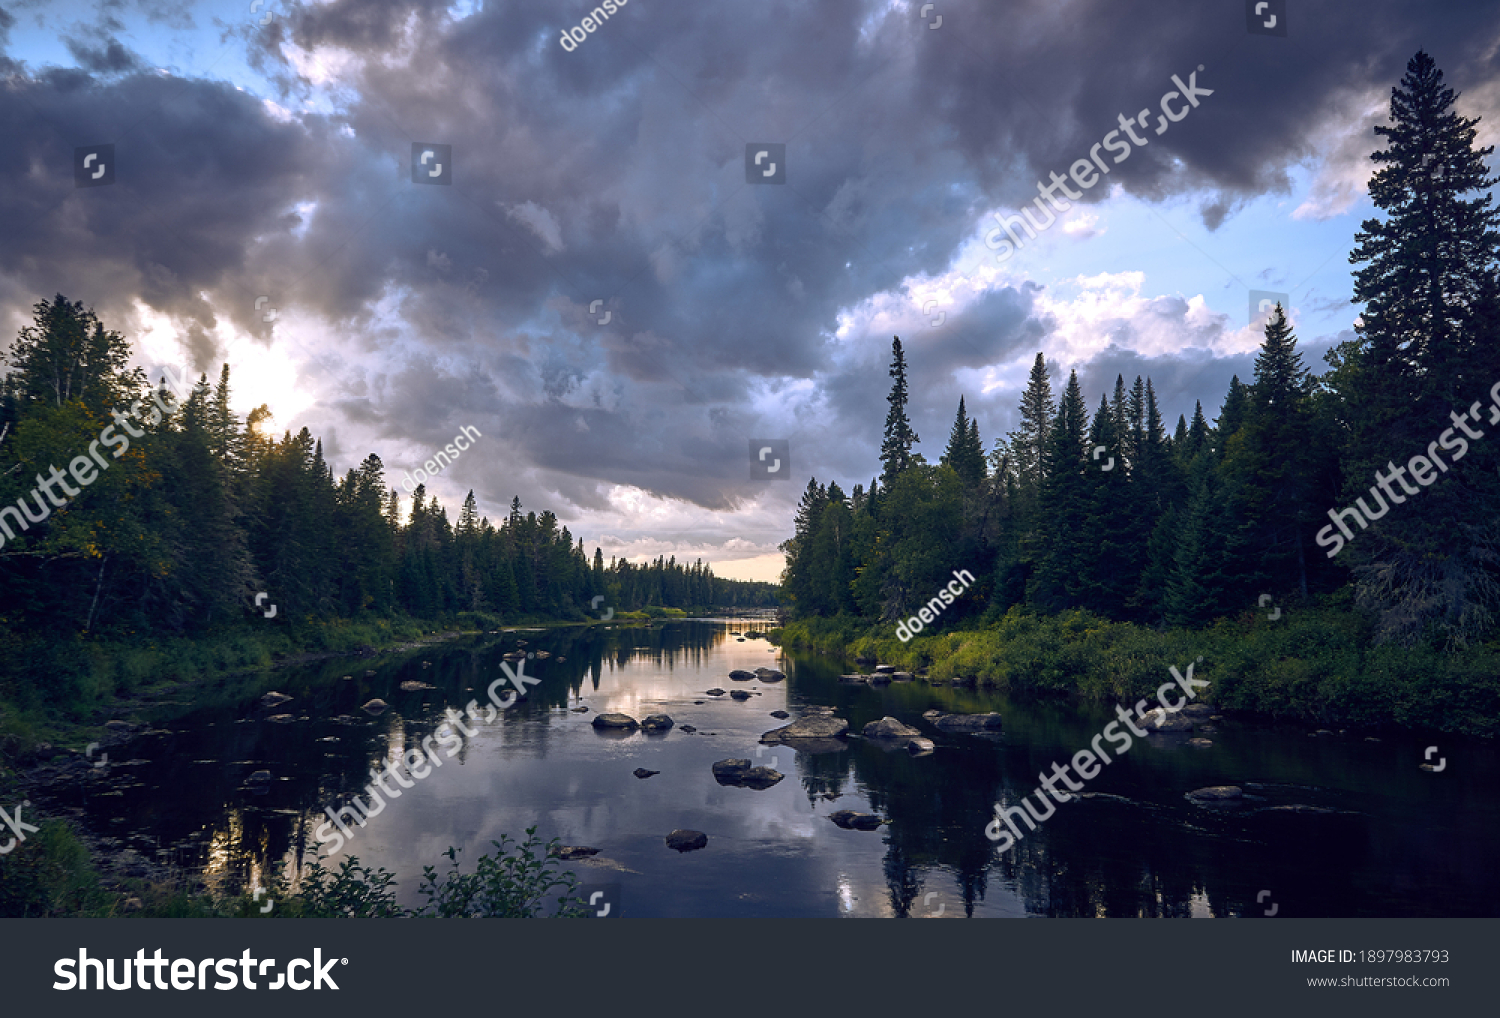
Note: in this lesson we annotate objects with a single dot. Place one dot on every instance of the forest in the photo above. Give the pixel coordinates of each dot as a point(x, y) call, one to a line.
point(1112, 515)
point(128, 526)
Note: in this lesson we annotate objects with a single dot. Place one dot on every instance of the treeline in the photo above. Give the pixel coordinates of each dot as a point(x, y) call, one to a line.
point(171, 515)
point(1113, 514)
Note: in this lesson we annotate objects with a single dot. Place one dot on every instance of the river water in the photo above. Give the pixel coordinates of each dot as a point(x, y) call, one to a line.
point(1396, 840)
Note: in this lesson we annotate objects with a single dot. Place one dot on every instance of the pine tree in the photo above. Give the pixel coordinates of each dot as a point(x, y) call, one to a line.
point(1271, 463)
point(1063, 506)
point(964, 453)
point(1029, 443)
point(1424, 349)
point(1232, 414)
point(896, 449)
point(1108, 576)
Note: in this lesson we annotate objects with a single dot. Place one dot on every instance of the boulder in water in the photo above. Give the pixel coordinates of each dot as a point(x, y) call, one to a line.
point(814, 726)
point(852, 820)
point(687, 841)
point(889, 728)
point(615, 721)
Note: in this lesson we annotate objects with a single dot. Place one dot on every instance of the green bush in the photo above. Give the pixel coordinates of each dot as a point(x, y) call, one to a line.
point(48, 874)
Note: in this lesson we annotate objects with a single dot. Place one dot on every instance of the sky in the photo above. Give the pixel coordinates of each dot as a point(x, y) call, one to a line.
point(606, 287)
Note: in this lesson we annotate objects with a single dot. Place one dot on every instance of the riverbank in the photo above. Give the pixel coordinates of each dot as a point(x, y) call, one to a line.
point(64, 692)
point(1315, 665)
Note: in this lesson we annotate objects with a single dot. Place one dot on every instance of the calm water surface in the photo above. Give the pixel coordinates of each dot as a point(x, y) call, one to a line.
point(1400, 842)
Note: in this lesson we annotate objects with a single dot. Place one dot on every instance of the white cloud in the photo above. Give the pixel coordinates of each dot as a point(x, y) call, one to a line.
point(540, 222)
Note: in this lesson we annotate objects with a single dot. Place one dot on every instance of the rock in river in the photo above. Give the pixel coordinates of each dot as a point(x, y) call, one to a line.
point(969, 723)
point(740, 675)
point(1216, 793)
point(889, 728)
point(571, 852)
point(1161, 721)
point(641, 772)
point(656, 722)
point(729, 772)
point(917, 747)
point(850, 820)
point(761, 778)
point(714, 692)
point(274, 699)
point(374, 706)
point(769, 674)
point(741, 773)
point(780, 714)
point(687, 841)
point(615, 721)
point(413, 686)
point(739, 694)
point(817, 726)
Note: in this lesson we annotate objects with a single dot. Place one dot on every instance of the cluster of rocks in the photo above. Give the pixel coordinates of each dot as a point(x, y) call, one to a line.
point(742, 773)
point(1194, 717)
point(649, 723)
point(892, 732)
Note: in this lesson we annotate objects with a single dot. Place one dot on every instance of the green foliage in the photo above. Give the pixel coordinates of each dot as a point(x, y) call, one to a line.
point(48, 874)
point(1313, 665)
point(510, 884)
point(350, 892)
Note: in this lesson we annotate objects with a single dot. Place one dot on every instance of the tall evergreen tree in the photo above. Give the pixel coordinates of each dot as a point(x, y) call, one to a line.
point(1063, 506)
point(1424, 349)
point(896, 449)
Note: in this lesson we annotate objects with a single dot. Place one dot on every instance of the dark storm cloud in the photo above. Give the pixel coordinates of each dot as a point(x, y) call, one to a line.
point(616, 173)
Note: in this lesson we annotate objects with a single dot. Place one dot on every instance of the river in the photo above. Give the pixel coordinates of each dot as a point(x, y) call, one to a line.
point(1395, 840)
